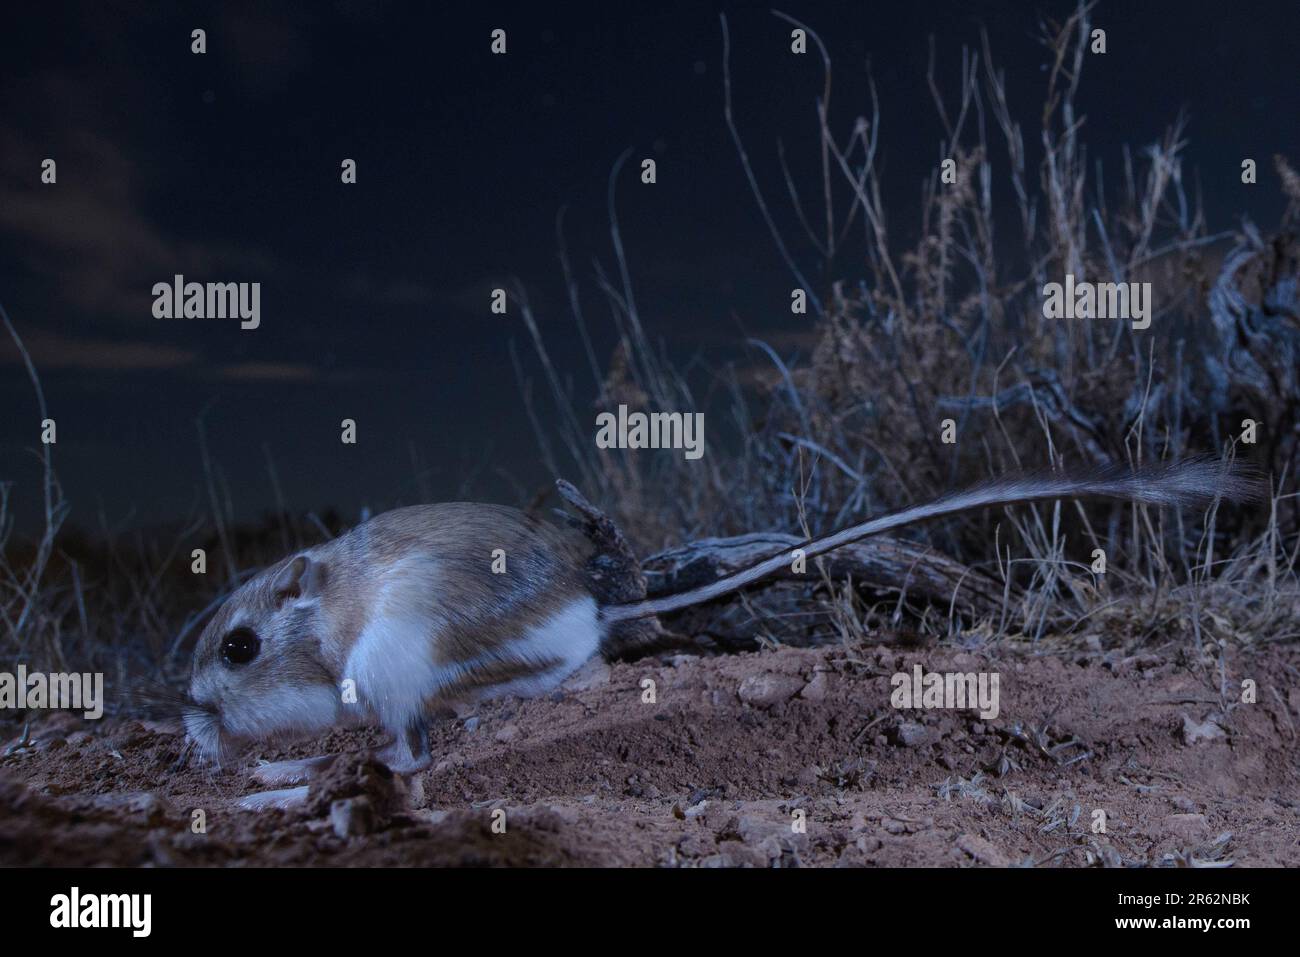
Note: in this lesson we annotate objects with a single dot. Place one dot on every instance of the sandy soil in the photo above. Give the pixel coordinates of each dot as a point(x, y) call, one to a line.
point(713, 772)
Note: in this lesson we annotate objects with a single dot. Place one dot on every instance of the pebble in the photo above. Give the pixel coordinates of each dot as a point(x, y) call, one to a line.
point(696, 844)
point(695, 810)
point(142, 803)
point(765, 690)
point(815, 690)
point(808, 776)
point(982, 850)
point(453, 760)
point(1195, 732)
point(594, 674)
point(910, 734)
point(351, 817)
point(1187, 826)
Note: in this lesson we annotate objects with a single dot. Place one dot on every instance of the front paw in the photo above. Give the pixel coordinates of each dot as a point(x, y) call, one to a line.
point(399, 759)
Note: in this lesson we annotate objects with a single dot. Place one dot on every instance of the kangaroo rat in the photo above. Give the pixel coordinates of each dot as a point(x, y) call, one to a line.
point(404, 615)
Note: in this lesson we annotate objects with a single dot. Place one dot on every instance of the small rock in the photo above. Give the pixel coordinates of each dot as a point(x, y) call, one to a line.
point(1207, 730)
point(752, 830)
point(982, 850)
point(756, 829)
point(699, 794)
point(696, 844)
point(868, 844)
point(1142, 662)
point(430, 815)
point(508, 733)
point(351, 817)
point(808, 776)
point(815, 690)
point(593, 674)
point(565, 815)
point(356, 776)
point(910, 734)
point(1189, 827)
point(771, 848)
point(137, 803)
point(472, 723)
point(766, 689)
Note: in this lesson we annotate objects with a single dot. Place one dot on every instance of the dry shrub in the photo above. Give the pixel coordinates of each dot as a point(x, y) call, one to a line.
point(953, 327)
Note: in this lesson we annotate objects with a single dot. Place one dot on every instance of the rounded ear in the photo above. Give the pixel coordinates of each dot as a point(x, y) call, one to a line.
point(300, 578)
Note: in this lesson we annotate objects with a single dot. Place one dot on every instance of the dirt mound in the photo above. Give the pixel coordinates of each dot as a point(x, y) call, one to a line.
point(793, 757)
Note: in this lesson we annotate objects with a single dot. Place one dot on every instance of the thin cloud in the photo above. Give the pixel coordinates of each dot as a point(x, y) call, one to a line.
point(269, 372)
point(92, 232)
point(51, 352)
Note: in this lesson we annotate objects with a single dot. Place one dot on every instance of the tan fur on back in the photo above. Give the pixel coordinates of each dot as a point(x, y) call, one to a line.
point(437, 560)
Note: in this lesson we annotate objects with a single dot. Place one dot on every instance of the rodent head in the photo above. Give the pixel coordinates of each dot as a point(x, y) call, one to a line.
point(258, 669)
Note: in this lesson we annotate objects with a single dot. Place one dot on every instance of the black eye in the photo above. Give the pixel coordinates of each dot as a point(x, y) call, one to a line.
point(240, 646)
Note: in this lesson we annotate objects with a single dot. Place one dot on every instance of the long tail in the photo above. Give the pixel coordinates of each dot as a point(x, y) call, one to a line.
point(1196, 481)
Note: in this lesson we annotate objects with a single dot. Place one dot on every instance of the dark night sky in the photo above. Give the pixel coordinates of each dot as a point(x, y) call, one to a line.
point(374, 297)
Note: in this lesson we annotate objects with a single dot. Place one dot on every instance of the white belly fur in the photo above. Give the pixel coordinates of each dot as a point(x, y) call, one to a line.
point(393, 664)
point(572, 636)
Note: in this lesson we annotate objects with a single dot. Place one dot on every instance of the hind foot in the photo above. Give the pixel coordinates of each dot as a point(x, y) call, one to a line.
point(292, 772)
point(282, 799)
